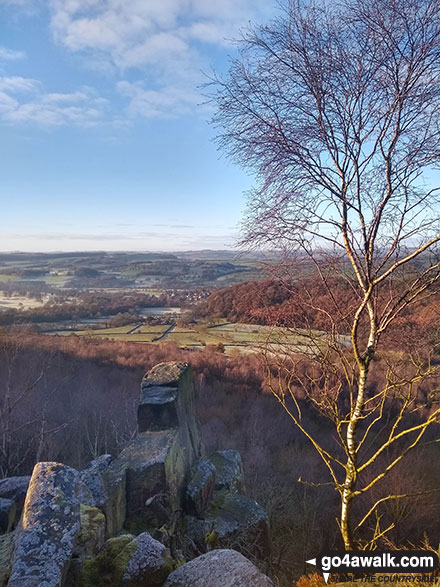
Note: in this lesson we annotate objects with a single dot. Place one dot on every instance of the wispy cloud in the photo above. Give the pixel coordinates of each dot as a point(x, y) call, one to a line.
point(140, 240)
point(10, 54)
point(25, 100)
point(100, 237)
point(167, 102)
point(123, 29)
point(158, 46)
point(161, 39)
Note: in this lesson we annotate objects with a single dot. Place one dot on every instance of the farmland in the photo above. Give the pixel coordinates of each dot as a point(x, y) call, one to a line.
point(229, 337)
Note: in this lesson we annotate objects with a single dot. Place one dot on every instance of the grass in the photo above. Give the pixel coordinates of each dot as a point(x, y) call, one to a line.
point(57, 280)
point(134, 337)
point(157, 329)
point(255, 334)
point(4, 277)
point(106, 331)
point(189, 337)
point(242, 337)
point(111, 335)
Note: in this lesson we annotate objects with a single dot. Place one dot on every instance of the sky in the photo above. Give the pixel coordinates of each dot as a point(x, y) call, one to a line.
point(105, 136)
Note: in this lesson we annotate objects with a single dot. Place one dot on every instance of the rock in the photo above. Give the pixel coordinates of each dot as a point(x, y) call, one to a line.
point(231, 521)
point(164, 374)
point(15, 488)
point(228, 471)
point(115, 506)
point(91, 477)
point(49, 527)
point(218, 568)
point(91, 536)
point(108, 567)
point(200, 488)
point(8, 509)
point(157, 409)
point(167, 401)
point(6, 551)
point(149, 565)
point(156, 464)
point(103, 486)
point(127, 561)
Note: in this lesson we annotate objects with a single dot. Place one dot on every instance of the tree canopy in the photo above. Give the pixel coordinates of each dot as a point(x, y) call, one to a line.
point(336, 109)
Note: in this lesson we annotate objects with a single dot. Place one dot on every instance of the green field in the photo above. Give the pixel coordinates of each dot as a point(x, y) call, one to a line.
point(242, 337)
point(158, 329)
point(56, 280)
point(197, 337)
point(275, 337)
point(109, 331)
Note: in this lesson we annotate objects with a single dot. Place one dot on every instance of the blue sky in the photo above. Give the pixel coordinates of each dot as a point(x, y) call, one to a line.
point(105, 141)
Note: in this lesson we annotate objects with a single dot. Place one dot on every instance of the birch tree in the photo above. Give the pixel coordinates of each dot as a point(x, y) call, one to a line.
point(335, 107)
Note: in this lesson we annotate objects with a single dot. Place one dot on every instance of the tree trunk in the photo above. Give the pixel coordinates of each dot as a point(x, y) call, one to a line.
point(349, 488)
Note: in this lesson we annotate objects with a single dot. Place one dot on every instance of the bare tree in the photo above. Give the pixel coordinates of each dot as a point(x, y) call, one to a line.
point(336, 108)
point(24, 404)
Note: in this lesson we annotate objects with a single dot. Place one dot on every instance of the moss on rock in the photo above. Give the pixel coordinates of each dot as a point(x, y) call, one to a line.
point(109, 566)
point(92, 531)
point(129, 561)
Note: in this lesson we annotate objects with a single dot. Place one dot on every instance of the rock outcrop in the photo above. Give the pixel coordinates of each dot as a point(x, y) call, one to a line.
point(15, 489)
point(218, 568)
point(125, 521)
point(158, 462)
point(48, 528)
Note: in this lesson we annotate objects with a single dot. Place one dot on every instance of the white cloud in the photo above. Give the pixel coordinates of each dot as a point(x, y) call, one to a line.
point(20, 7)
point(139, 32)
point(160, 41)
point(167, 102)
point(10, 54)
point(24, 100)
point(17, 84)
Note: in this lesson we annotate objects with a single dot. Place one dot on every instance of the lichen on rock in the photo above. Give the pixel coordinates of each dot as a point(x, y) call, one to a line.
point(218, 568)
point(49, 527)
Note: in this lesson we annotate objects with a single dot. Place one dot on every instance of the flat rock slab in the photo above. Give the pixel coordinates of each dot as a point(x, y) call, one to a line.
point(157, 409)
point(218, 568)
point(49, 527)
point(167, 374)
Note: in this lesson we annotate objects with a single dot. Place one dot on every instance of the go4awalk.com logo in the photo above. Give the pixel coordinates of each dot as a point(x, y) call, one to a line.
point(365, 562)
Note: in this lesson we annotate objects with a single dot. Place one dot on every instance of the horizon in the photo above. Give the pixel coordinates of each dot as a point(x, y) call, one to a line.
point(106, 138)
